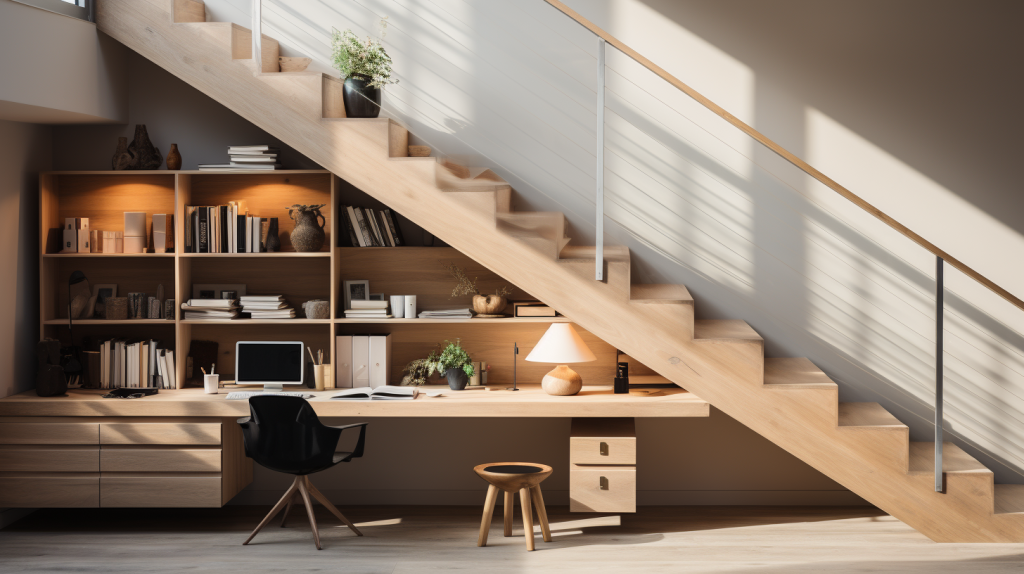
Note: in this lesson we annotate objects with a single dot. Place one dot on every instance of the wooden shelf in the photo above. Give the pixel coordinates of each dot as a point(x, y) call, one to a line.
point(127, 255)
point(274, 255)
point(296, 321)
point(186, 172)
point(111, 322)
point(475, 320)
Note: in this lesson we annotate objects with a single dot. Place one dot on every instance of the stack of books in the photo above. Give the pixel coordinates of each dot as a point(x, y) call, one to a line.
point(246, 157)
point(133, 363)
point(368, 228)
point(210, 309)
point(368, 310)
point(266, 307)
point(230, 228)
point(448, 314)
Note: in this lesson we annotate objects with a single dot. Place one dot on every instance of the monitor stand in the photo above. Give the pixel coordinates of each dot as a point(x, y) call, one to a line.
point(273, 388)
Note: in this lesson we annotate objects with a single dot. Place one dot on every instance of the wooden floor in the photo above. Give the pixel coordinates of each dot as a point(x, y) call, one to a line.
point(404, 540)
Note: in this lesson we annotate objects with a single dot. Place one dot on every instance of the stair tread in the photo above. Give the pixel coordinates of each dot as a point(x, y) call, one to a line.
point(1009, 499)
point(659, 293)
point(611, 253)
point(711, 329)
point(954, 459)
point(867, 415)
point(795, 373)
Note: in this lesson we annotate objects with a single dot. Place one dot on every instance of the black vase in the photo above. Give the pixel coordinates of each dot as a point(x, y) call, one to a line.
point(361, 101)
point(457, 379)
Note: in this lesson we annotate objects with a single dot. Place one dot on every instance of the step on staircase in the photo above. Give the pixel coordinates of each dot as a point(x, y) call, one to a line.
point(789, 401)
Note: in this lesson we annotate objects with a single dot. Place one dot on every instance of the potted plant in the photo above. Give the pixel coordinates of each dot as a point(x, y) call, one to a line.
point(454, 362)
point(485, 305)
point(365, 67)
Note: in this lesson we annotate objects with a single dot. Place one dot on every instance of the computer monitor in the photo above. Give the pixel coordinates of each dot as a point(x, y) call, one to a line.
point(269, 363)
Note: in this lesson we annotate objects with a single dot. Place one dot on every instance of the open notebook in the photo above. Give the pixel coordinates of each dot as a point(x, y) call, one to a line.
point(385, 393)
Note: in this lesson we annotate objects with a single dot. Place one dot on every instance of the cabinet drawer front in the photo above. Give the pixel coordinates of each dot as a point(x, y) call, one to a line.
point(602, 489)
point(49, 492)
point(49, 433)
point(160, 433)
point(160, 491)
point(602, 450)
point(160, 460)
point(40, 459)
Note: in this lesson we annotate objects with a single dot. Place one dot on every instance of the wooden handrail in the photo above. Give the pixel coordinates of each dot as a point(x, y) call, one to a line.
point(785, 154)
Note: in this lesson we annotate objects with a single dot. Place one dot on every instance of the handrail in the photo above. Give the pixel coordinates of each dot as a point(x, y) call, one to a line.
point(785, 154)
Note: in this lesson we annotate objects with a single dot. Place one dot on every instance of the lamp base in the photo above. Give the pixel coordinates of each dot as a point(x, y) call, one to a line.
point(561, 381)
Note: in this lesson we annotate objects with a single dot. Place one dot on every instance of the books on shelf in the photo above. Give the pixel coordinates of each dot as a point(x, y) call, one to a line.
point(246, 157)
point(134, 363)
point(447, 314)
point(384, 393)
point(230, 228)
point(266, 307)
point(532, 309)
point(368, 310)
point(365, 227)
point(210, 309)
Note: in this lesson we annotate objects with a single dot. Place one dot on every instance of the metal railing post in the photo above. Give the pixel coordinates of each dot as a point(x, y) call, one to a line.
point(938, 374)
point(599, 200)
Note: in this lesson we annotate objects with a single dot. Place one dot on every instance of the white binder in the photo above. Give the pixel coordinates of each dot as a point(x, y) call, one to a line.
point(343, 362)
point(360, 361)
point(380, 353)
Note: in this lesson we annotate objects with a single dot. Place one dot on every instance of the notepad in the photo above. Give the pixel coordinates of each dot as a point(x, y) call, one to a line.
point(384, 393)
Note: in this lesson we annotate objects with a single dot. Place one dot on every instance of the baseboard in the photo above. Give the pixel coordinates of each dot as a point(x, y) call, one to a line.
point(9, 516)
point(561, 497)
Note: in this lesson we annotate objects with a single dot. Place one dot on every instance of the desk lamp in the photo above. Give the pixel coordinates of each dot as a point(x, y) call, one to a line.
point(561, 344)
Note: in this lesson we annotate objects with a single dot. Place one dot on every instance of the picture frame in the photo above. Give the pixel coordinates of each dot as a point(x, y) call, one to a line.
point(357, 290)
point(377, 297)
point(216, 290)
point(103, 290)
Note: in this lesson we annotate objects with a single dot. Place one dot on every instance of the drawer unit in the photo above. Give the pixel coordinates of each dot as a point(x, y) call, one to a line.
point(49, 433)
point(602, 489)
point(160, 460)
point(31, 490)
point(148, 491)
point(602, 441)
point(49, 459)
point(160, 433)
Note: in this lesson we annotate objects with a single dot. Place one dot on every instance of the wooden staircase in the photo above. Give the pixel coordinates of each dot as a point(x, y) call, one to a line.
point(789, 400)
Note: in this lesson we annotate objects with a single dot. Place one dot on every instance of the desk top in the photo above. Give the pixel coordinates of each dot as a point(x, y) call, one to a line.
point(530, 401)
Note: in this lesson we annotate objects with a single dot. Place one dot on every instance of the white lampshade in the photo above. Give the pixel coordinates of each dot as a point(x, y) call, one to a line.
point(561, 344)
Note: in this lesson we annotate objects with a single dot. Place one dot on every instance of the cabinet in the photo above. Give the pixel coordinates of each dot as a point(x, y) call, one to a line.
point(602, 461)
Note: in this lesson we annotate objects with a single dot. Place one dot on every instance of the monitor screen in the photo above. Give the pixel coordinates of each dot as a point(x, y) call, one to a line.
point(278, 362)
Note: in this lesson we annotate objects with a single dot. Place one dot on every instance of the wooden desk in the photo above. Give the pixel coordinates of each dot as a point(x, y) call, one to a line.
point(183, 448)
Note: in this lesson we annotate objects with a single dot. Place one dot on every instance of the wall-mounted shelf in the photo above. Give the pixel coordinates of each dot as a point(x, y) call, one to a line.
point(475, 320)
point(115, 255)
point(246, 322)
point(274, 255)
point(78, 322)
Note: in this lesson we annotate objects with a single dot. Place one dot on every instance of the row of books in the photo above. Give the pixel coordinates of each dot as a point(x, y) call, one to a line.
point(256, 306)
point(369, 228)
point(246, 157)
point(225, 229)
point(134, 363)
point(368, 310)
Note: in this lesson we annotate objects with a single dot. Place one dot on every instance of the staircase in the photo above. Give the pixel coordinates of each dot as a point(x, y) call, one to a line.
point(789, 400)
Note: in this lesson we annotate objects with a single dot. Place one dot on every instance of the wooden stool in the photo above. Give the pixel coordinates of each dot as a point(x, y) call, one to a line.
point(510, 477)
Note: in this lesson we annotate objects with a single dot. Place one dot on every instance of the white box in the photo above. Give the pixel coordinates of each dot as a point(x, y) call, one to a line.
point(135, 224)
point(360, 360)
point(159, 242)
point(380, 360)
point(134, 245)
point(343, 362)
point(83, 234)
point(163, 233)
point(70, 244)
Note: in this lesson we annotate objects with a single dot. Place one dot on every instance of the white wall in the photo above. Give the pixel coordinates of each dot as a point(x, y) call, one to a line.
point(58, 69)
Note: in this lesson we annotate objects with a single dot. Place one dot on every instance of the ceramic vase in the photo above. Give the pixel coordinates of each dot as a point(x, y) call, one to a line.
point(122, 159)
point(174, 158)
point(145, 154)
point(308, 234)
point(457, 379)
point(361, 100)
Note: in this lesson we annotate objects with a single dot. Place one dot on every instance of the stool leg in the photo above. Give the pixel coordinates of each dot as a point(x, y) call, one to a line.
point(542, 513)
point(485, 522)
point(524, 498)
point(510, 501)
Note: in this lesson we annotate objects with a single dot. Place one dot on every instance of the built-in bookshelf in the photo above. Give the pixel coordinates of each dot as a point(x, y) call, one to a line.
point(104, 196)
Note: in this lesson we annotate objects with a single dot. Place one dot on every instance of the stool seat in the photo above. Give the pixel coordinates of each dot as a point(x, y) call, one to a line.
point(512, 477)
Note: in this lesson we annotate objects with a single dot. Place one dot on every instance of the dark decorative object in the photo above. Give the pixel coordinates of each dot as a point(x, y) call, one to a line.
point(116, 308)
point(50, 379)
point(361, 100)
point(457, 379)
point(169, 309)
point(145, 154)
point(174, 158)
point(621, 382)
point(122, 159)
point(308, 234)
point(273, 241)
point(136, 305)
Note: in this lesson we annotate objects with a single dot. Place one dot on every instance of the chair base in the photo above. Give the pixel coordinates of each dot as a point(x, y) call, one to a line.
point(302, 488)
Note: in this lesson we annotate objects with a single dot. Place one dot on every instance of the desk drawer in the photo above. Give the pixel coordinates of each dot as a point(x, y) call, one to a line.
point(49, 491)
point(160, 460)
point(146, 491)
point(52, 459)
point(160, 433)
point(49, 433)
point(602, 489)
point(602, 441)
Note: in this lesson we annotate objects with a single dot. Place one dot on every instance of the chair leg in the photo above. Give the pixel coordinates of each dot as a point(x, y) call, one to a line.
point(524, 498)
point(309, 510)
point(485, 522)
point(287, 509)
point(327, 504)
point(277, 508)
point(510, 502)
point(542, 513)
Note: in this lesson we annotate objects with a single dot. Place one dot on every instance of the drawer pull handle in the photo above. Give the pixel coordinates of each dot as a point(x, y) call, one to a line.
point(604, 483)
point(604, 449)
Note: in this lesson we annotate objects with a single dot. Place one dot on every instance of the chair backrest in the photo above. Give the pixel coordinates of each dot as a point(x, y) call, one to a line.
point(284, 434)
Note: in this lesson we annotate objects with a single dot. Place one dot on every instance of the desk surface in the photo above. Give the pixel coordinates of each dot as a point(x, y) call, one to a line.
point(531, 401)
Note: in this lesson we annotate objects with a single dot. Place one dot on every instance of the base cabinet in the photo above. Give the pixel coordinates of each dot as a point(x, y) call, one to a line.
point(602, 465)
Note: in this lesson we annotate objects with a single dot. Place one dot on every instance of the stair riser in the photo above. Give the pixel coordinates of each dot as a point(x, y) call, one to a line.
point(888, 445)
point(616, 276)
point(973, 491)
point(821, 405)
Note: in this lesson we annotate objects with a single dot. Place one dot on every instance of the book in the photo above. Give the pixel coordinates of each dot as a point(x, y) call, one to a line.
point(349, 229)
point(532, 309)
point(209, 303)
point(386, 229)
point(251, 148)
point(364, 228)
point(256, 298)
point(254, 159)
point(266, 166)
point(374, 229)
point(396, 231)
point(203, 240)
point(357, 231)
point(382, 393)
point(358, 304)
point(447, 314)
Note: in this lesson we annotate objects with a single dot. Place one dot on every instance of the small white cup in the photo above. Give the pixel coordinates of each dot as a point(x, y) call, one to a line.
point(211, 384)
point(410, 306)
point(398, 306)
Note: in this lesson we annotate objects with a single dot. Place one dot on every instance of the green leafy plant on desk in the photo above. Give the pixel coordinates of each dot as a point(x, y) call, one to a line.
point(454, 363)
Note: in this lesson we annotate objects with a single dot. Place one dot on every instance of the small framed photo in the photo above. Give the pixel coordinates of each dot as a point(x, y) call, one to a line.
point(356, 291)
point(377, 297)
point(103, 291)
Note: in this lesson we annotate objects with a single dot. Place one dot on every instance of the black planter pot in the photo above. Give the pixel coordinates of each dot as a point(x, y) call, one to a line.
point(361, 101)
point(457, 379)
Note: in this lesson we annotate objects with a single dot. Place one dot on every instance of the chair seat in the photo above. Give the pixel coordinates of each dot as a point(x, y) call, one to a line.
point(513, 476)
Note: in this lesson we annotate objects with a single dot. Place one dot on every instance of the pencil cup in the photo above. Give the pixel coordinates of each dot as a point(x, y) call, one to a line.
point(318, 377)
point(210, 383)
point(398, 306)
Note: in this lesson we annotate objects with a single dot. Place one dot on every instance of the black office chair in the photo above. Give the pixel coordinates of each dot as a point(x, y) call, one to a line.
point(284, 434)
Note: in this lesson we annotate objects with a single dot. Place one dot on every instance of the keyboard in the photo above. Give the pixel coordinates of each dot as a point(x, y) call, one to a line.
point(246, 395)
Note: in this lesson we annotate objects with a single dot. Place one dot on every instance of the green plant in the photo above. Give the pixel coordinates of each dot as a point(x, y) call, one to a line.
point(453, 356)
point(353, 57)
point(465, 286)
